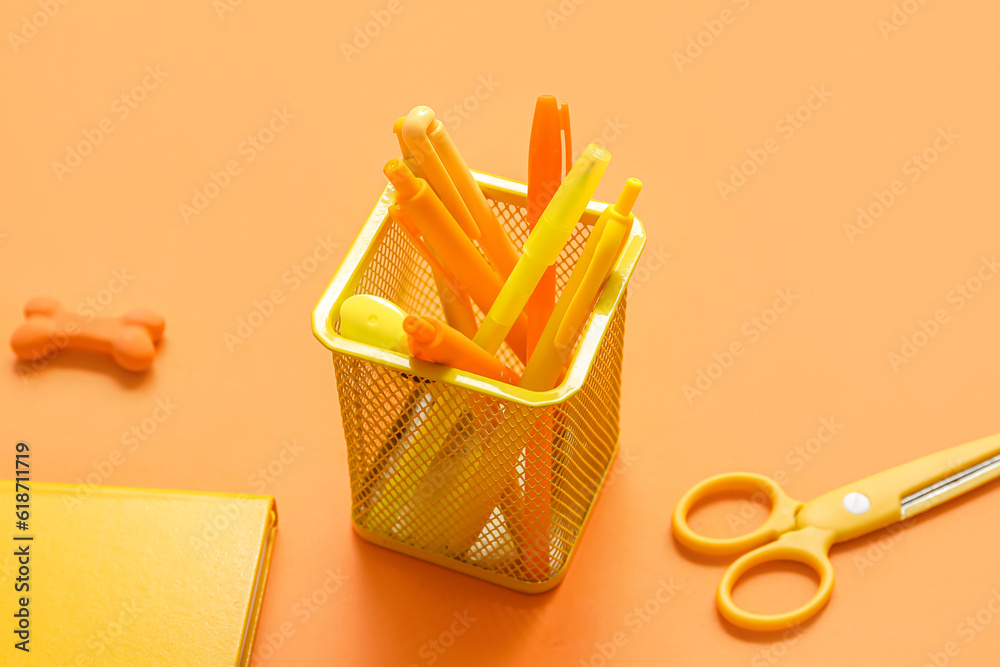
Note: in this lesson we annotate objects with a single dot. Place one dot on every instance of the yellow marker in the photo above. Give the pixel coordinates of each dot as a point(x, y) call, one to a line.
point(544, 245)
point(571, 311)
point(804, 532)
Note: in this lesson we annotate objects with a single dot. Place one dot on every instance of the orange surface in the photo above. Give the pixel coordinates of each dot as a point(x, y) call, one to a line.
point(227, 401)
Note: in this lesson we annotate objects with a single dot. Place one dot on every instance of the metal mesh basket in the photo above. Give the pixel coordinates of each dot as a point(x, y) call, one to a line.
point(482, 477)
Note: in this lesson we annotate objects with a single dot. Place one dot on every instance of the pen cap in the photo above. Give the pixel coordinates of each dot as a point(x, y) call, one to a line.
point(545, 153)
point(567, 205)
point(407, 185)
point(420, 329)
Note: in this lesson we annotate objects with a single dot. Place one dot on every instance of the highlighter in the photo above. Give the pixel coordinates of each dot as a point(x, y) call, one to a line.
point(544, 244)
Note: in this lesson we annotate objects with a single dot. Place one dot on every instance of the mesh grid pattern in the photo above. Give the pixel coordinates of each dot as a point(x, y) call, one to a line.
point(494, 484)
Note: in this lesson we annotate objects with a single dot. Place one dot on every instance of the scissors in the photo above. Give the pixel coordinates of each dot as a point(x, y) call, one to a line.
point(804, 532)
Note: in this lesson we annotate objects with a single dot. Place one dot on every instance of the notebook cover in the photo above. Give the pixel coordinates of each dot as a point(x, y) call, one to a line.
point(119, 576)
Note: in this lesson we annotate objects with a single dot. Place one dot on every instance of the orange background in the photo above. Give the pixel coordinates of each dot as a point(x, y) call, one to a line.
point(901, 597)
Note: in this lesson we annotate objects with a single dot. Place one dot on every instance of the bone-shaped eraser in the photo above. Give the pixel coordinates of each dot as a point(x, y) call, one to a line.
point(130, 340)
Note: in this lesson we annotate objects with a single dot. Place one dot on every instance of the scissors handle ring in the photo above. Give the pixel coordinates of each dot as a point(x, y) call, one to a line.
point(781, 519)
point(808, 546)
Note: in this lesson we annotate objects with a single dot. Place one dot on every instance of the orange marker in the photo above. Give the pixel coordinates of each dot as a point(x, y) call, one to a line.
point(417, 206)
point(545, 172)
point(435, 341)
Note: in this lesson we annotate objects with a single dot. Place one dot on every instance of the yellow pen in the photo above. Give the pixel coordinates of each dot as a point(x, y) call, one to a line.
point(544, 244)
point(571, 311)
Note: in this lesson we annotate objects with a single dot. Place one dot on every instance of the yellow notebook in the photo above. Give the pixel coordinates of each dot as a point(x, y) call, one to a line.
point(115, 576)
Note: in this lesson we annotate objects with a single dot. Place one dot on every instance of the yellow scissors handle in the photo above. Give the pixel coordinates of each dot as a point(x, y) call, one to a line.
point(781, 520)
point(808, 546)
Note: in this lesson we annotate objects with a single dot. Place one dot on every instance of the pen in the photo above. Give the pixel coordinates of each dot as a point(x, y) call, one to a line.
point(455, 302)
point(432, 340)
point(571, 311)
point(418, 206)
point(545, 171)
point(408, 158)
point(617, 220)
point(447, 172)
point(413, 134)
point(544, 244)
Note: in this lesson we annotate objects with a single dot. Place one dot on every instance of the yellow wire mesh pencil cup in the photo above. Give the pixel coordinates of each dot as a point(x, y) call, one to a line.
point(482, 477)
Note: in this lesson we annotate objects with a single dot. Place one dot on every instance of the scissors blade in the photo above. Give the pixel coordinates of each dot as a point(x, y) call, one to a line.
point(950, 487)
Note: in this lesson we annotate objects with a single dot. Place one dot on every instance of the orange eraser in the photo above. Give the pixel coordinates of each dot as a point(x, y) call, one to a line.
point(130, 339)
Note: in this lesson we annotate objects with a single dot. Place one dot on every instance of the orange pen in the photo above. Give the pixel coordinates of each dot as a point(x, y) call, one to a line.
point(433, 340)
point(454, 301)
point(545, 173)
point(449, 176)
point(418, 207)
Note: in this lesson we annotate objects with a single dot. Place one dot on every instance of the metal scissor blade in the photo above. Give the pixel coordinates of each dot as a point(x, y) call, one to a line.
point(950, 487)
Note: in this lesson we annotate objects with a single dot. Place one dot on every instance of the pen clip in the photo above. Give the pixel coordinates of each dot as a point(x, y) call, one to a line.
point(567, 137)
